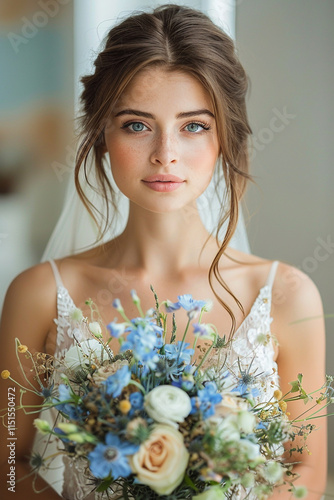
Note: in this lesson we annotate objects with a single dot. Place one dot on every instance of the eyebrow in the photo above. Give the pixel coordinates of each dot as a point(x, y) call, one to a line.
point(186, 114)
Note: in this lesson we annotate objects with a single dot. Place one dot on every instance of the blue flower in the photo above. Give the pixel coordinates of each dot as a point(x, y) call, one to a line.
point(137, 402)
point(116, 382)
point(179, 352)
point(69, 408)
point(171, 306)
point(144, 339)
point(117, 305)
point(183, 383)
point(205, 400)
point(186, 302)
point(110, 459)
point(116, 329)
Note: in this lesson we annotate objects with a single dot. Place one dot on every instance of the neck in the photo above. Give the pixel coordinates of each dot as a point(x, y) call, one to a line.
point(165, 244)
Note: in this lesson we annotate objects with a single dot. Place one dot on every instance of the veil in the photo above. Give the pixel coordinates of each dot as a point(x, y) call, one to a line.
point(76, 231)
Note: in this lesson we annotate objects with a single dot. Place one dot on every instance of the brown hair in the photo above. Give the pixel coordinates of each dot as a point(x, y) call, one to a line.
point(177, 38)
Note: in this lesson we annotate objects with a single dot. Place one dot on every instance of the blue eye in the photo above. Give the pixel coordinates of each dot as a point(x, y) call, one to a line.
point(135, 126)
point(196, 127)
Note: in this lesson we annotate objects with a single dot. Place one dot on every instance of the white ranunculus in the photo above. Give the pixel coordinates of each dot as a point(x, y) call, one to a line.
point(161, 460)
point(167, 404)
point(214, 493)
point(90, 351)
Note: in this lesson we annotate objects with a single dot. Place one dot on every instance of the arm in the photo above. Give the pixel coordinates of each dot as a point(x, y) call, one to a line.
point(302, 350)
point(29, 307)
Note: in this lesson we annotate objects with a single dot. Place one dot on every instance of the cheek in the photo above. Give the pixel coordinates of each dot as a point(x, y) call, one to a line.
point(204, 158)
point(123, 160)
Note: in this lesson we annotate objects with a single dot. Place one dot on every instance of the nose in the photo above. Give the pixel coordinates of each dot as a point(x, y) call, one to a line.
point(164, 150)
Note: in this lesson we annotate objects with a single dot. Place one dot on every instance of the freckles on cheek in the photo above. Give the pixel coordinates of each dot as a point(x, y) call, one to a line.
point(123, 159)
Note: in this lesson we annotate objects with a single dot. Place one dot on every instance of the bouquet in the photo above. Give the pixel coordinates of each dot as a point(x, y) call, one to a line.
point(150, 422)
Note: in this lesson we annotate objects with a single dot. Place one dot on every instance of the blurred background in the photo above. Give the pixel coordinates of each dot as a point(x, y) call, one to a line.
point(286, 49)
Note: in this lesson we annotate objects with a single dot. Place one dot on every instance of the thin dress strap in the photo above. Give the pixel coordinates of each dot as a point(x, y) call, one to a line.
point(272, 273)
point(56, 273)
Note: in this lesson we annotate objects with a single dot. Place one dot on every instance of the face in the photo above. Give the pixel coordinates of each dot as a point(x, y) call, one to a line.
point(162, 140)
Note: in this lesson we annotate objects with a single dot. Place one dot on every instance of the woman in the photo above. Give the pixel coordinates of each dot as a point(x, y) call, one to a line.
point(166, 104)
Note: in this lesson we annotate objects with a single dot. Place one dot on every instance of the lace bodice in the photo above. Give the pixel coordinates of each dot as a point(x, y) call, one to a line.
point(252, 345)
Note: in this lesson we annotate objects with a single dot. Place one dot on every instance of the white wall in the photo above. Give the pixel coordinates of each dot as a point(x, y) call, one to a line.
point(287, 49)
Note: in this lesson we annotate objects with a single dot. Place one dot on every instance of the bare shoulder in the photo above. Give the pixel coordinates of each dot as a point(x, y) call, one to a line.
point(38, 279)
point(294, 292)
point(32, 292)
point(297, 307)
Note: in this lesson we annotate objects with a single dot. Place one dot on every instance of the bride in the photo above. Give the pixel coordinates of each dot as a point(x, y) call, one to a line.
point(166, 107)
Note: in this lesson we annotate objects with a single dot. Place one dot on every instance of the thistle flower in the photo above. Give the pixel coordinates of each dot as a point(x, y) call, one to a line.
point(137, 431)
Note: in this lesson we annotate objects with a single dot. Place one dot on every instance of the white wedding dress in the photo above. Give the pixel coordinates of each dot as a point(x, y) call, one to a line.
point(68, 477)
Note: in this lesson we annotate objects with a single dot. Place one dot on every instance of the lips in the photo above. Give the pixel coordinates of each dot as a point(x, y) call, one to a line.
point(163, 178)
point(163, 182)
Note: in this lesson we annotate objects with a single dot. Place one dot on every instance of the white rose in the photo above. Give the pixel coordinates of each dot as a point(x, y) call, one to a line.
point(161, 460)
point(167, 404)
point(90, 351)
point(214, 493)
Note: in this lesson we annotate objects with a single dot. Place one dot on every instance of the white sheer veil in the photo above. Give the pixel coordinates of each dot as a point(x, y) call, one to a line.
point(76, 231)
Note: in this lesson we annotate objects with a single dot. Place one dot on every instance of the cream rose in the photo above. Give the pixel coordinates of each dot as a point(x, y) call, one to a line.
point(167, 404)
point(161, 460)
point(90, 351)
